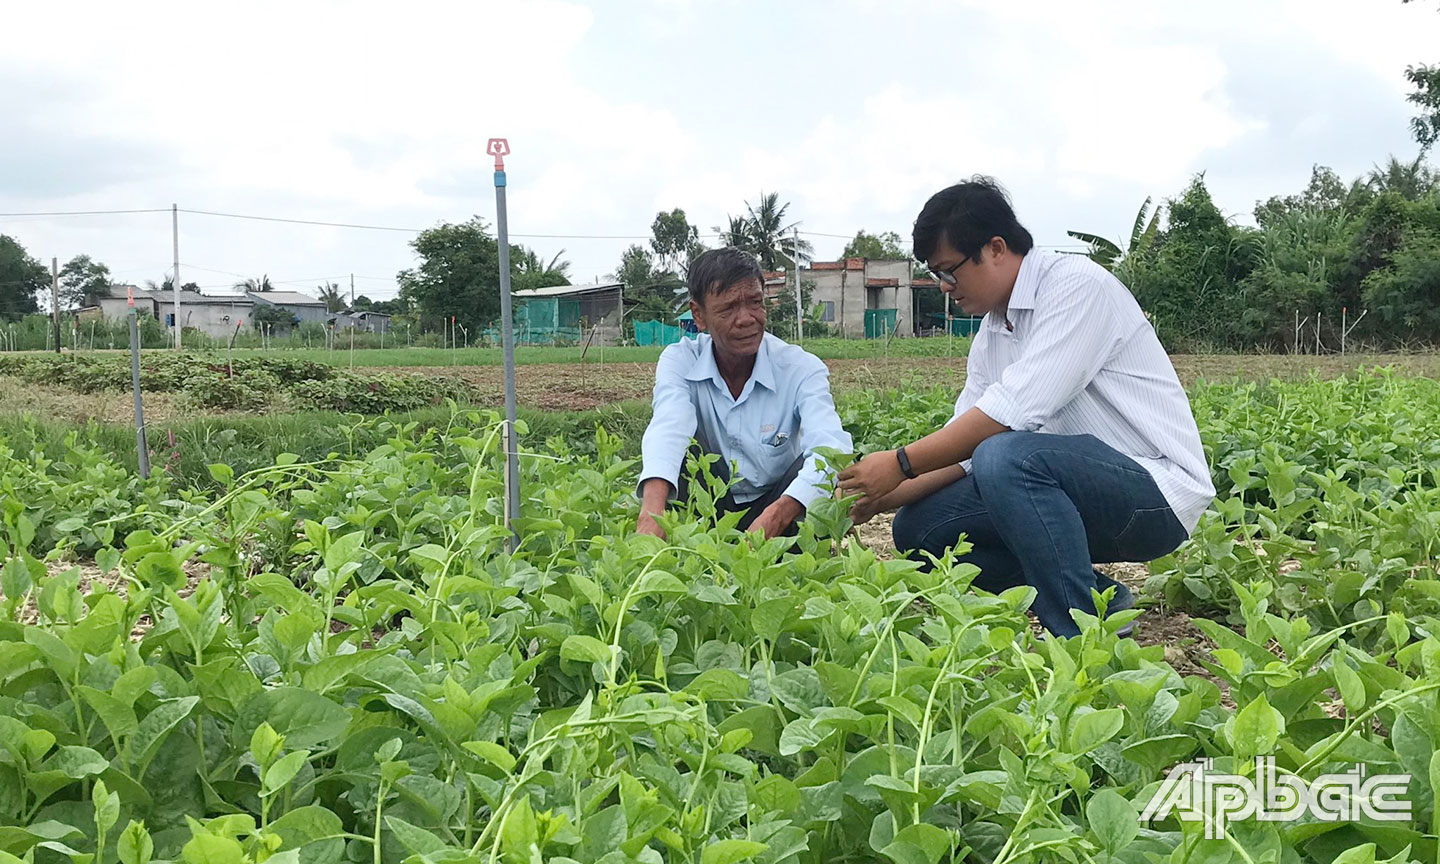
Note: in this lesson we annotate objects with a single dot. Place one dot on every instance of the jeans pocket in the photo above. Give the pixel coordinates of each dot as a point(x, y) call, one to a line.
point(1150, 533)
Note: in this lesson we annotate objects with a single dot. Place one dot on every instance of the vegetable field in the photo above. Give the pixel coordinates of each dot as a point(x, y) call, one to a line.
point(335, 661)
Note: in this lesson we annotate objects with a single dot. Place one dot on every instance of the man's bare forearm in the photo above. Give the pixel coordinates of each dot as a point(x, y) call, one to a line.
point(654, 495)
point(953, 443)
point(923, 486)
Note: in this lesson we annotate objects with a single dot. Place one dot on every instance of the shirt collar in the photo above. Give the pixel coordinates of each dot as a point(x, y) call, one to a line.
point(1022, 296)
point(763, 374)
point(704, 364)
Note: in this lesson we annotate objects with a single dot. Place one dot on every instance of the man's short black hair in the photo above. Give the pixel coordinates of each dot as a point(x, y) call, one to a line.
point(717, 269)
point(966, 216)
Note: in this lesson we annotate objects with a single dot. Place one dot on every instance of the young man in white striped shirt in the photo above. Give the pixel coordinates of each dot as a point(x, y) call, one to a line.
point(1072, 442)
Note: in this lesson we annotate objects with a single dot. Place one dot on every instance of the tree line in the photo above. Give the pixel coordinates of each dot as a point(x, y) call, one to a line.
point(1330, 253)
point(1368, 244)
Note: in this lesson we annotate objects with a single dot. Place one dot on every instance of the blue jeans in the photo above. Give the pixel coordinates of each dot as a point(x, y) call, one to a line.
point(1042, 509)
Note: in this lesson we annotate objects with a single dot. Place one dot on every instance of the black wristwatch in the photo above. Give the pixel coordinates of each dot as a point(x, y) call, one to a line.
point(904, 463)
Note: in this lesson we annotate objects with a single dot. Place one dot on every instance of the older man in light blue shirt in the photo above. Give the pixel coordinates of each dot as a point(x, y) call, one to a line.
point(759, 403)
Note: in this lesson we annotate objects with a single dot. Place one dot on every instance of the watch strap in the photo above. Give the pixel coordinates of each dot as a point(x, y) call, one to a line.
point(904, 461)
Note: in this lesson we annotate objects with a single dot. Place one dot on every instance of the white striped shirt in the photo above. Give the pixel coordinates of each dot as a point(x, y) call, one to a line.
point(1082, 359)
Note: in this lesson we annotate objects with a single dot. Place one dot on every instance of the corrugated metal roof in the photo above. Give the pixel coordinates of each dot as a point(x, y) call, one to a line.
point(284, 298)
point(187, 298)
point(190, 298)
point(566, 290)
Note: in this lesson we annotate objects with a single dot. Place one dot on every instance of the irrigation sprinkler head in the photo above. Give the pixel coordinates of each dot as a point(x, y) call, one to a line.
point(499, 148)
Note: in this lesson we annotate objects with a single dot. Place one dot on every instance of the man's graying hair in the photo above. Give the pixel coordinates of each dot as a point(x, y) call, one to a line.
point(717, 269)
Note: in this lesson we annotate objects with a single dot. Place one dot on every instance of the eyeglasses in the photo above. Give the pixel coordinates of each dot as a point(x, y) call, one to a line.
point(948, 276)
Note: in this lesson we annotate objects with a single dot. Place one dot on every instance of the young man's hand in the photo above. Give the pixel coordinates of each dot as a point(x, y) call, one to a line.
point(778, 517)
point(864, 510)
point(874, 477)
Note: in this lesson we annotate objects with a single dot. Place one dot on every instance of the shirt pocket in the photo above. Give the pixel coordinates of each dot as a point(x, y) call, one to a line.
point(778, 443)
point(778, 437)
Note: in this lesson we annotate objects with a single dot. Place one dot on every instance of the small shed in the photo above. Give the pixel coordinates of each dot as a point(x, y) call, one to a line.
point(564, 313)
point(687, 323)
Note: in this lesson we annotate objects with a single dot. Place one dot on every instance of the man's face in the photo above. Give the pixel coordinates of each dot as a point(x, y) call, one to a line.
point(980, 284)
point(734, 317)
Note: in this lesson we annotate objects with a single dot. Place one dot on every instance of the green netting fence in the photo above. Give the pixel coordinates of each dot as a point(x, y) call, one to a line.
point(659, 333)
point(547, 320)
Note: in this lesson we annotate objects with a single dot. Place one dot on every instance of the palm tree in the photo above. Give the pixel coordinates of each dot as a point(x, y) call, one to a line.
point(167, 285)
point(776, 244)
point(261, 284)
point(737, 234)
point(556, 269)
point(529, 271)
point(334, 300)
point(1108, 254)
point(763, 233)
point(1412, 180)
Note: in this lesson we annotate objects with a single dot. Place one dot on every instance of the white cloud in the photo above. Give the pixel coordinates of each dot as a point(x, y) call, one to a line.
point(1122, 119)
point(377, 112)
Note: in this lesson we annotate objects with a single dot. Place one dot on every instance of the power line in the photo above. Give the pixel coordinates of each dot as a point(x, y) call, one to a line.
point(406, 230)
point(213, 270)
point(303, 221)
point(416, 230)
point(86, 212)
point(362, 226)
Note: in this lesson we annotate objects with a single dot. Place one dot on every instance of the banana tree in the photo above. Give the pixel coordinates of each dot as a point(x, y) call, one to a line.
point(1107, 253)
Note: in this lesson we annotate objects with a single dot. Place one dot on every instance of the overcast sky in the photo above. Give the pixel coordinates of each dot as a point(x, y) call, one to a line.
point(854, 111)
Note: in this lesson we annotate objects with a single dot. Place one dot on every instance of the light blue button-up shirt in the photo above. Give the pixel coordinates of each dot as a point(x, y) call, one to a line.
point(784, 411)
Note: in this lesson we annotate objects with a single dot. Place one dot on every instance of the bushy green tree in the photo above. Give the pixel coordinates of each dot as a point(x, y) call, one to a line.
point(655, 292)
point(674, 241)
point(459, 274)
point(1404, 295)
point(82, 282)
point(21, 278)
point(277, 317)
point(1191, 285)
point(1326, 193)
point(780, 315)
point(885, 246)
point(1425, 126)
point(1302, 260)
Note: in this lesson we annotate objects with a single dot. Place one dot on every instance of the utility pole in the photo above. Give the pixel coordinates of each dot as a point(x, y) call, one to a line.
point(175, 235)
point(799, 305)
point(55, 299)
point(949, 328)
